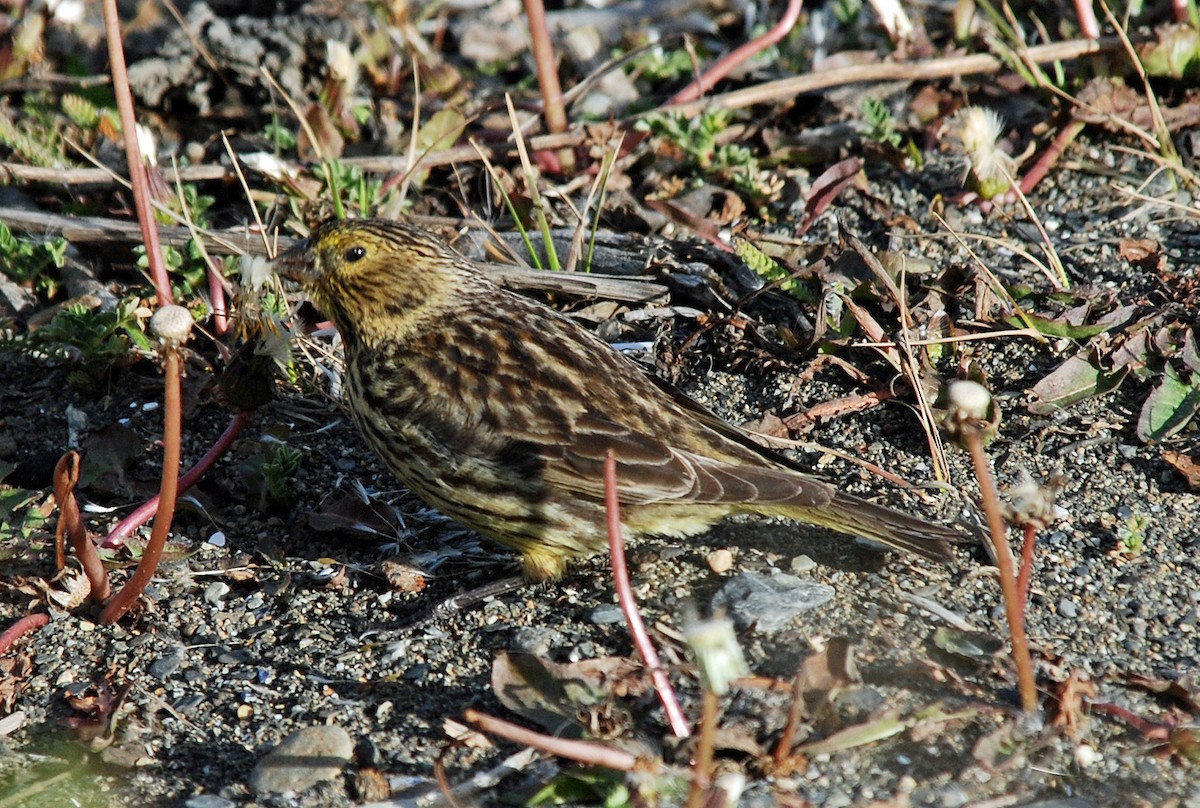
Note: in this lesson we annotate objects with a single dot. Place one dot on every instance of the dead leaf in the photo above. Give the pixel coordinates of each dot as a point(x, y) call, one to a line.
point(1071, 699)
point(464, 735)
point(566, 699)
point(826, 188)
point(352, 514)
point(832, 668)
point(1186, 465)
point(1001, 749)
point(402, 577)
point(1184, 691)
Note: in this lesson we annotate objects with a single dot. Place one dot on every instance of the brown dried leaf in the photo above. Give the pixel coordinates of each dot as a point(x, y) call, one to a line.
point(1184, 691)
point(833, 668)
point(402, 577)
point(827, 187)
point(562, 697)
point(464, 735)
point(1070, 703)
point(1186, 465)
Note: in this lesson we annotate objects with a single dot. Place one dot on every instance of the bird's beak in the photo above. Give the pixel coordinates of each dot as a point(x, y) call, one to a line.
point(297, 263)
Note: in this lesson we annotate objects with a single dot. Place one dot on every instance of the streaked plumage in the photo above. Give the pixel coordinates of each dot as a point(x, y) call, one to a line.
point(497, 411)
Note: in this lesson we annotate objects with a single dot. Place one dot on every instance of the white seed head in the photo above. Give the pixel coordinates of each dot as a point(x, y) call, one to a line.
point(172, 324)
point(340, 60)
point(269, 166)
point(718, 655)
point(147, 145)
point(968, 399)
point(978, 130)
point(255, 272)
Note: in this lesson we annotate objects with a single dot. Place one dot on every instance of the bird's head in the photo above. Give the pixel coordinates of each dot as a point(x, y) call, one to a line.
point(375, 278)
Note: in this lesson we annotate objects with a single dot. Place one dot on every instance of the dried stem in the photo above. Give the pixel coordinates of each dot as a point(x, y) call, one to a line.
point(737, 56)
point(133, 153)
point(553, 109)
point(585, 752)
point(1031, 529)
point(702, 767)
point(641, 637)
point(787, 739)
point(28, 623)
point(70, 525)
point(1014, 607)
point(168, 492)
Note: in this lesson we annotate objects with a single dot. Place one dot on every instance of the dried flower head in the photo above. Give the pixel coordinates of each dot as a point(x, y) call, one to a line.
point(989, 168)
point(718, 654)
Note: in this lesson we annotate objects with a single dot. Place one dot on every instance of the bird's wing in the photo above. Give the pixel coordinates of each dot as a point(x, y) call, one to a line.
point(710, 420)
point(650, 470)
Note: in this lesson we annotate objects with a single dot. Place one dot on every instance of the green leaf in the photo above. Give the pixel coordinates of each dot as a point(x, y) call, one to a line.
point(1074, 380)
point(1056, 327)
point(855, 736)
point(1169, 408)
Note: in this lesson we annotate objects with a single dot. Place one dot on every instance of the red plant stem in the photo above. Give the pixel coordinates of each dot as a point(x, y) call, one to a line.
point(1014, 607)
point(586, 752)
point(70, 523)
point(1041, 168)
point(1089, 26)
point(702, 768)
point(737, 56)
point(147, 509)
point(168, 491)
point(28, 623)
point(641, 637)
point(133, 154)
point(1031, 529)
point(547, 73)
point(216, 292)
point(787, 738)
point(724, 66)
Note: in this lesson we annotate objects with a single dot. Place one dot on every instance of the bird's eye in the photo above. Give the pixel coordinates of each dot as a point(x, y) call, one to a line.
point(354, 253)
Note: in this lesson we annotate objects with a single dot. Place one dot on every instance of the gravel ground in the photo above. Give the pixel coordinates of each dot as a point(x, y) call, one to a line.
point(279, 627)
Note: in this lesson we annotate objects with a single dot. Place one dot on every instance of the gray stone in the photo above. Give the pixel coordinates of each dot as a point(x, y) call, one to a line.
point(301, 760)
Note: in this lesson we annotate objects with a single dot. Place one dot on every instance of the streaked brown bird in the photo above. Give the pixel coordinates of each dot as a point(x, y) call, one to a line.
point(498, 411)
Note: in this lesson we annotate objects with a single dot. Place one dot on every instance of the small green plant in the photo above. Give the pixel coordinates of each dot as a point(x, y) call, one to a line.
point(769, 270)
point(269, 474)
point(1131, 535)
point(280, 466)
point(695, 137)
point(28, 261)
point(659, 65)
point(98, 340)
point(846, 12)
point(362, 192)
point(881, 126)
point(33, 134)
point(283, 138)
point(188, 268)
point(89, 116)
point(20, 516)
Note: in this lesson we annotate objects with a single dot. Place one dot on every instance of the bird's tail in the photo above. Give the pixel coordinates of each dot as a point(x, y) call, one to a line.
point(858, 517)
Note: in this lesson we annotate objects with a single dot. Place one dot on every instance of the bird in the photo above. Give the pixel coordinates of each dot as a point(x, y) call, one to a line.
point(498, 411)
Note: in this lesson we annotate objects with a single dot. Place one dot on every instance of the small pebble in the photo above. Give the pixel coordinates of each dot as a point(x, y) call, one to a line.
point(208, 801)
point(1066, 608)
point(720, 561)
point(802, 564)
point(215, 593)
